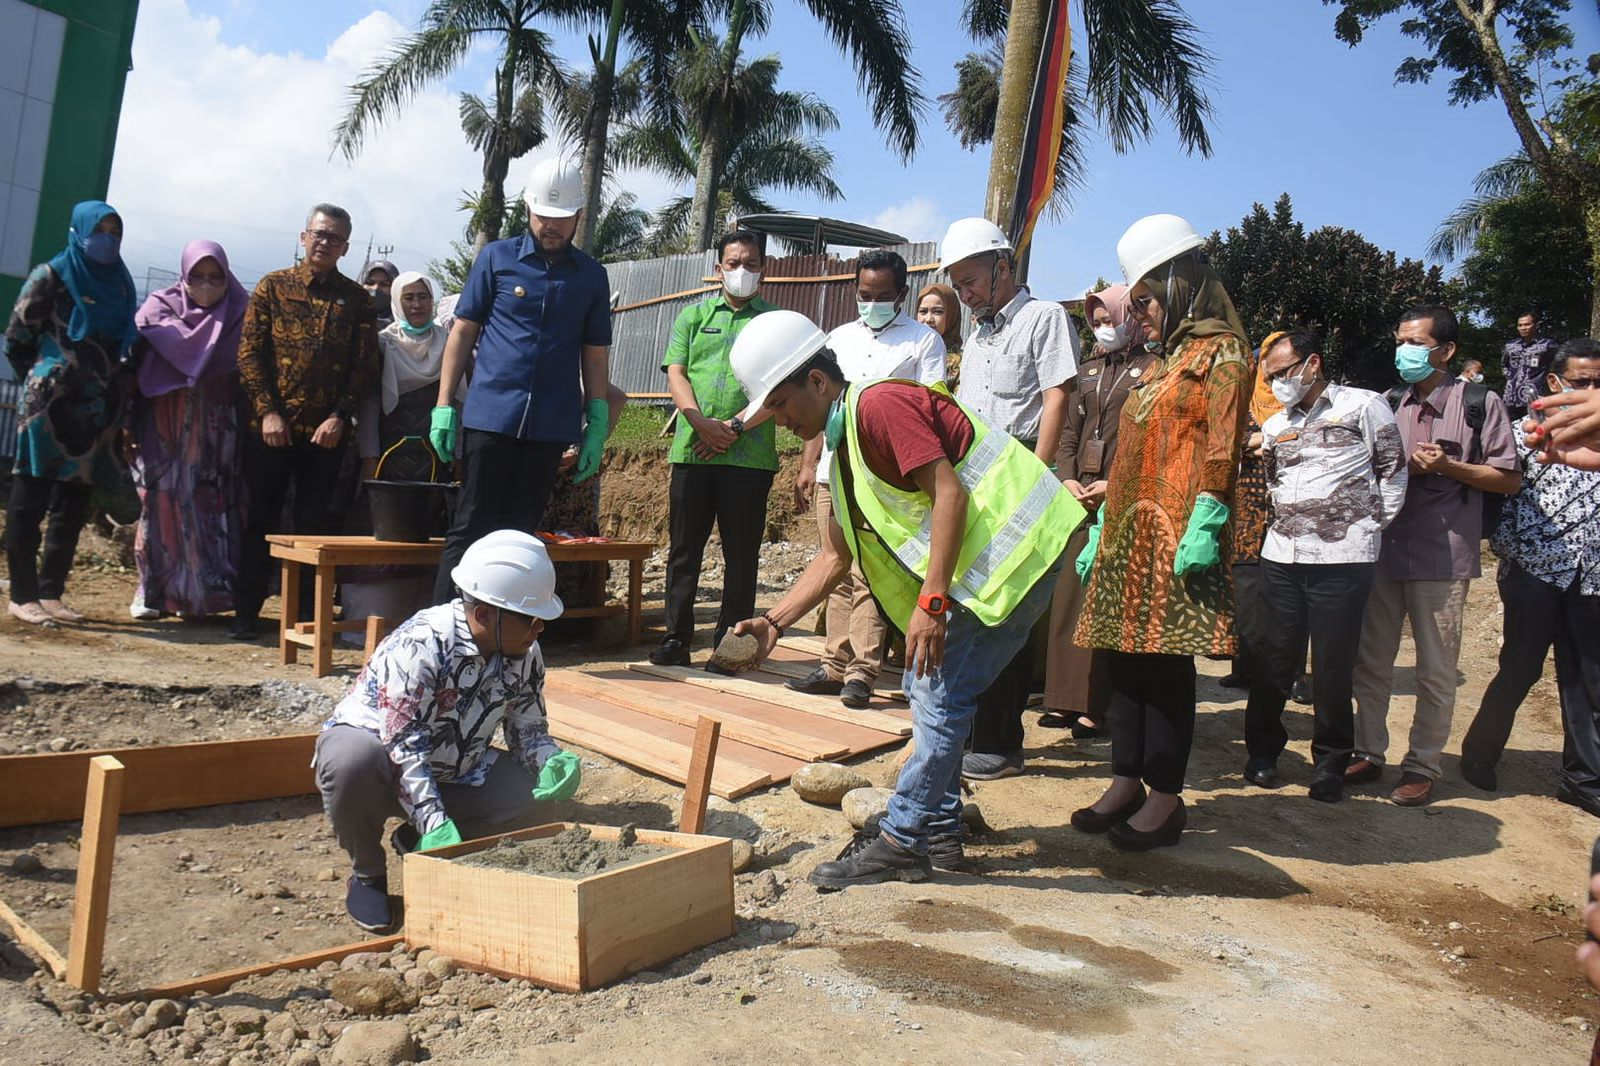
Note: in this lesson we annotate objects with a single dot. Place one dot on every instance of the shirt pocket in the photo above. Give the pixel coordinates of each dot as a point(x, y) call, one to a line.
point(1013, 376)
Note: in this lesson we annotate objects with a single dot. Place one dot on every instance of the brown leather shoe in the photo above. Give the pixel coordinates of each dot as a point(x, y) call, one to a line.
point(1361, 771)
point(1414, 790)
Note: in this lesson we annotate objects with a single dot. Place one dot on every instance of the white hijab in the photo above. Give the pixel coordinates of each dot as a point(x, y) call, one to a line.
point(410, 362)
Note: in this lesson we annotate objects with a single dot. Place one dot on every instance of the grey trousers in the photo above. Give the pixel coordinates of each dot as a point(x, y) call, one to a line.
point(360, 791)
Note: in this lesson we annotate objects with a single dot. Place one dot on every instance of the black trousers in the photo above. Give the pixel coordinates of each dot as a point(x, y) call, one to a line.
point(1325, 602)
point(505, 484)
point(1152, 717)
point(66, 503)
point(269, 472)
point(735, 498)
point(1538, 615)
point(997, 725)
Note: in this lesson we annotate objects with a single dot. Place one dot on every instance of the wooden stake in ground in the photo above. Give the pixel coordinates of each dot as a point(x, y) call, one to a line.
point(697, 790)
point(102, 808)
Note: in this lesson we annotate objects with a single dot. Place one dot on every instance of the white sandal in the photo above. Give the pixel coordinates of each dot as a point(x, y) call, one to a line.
point(60, 611)
point(30, 613)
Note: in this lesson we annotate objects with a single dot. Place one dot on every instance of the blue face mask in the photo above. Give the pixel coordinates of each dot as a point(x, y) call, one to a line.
point(1412, 362)
point(103, 248)
point(417, 331)
point(833, 431)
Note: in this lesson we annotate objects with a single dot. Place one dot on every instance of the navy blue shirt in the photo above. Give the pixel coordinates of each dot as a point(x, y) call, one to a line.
point(535, 316)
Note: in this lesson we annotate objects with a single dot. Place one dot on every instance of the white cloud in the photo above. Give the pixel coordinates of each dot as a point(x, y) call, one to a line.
point(918, 219)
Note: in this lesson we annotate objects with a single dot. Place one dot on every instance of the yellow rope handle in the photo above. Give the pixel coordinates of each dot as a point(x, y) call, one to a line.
point(433, 471)
point(921, 268)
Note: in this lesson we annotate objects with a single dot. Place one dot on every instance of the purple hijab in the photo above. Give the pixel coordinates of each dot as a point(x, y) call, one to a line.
point(189, 342)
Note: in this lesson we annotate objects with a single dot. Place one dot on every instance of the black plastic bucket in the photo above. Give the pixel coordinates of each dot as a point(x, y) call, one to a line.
point(410, 511)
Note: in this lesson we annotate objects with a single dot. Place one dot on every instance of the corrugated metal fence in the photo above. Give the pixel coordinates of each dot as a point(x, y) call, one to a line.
point(651, 292)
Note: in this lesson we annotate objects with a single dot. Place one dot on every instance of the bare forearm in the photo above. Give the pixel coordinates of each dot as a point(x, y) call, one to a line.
point(596, 372)
point(818, 579)
point(1051, 419)
point(457, 353)
point(683, 397)
point(1484, 478)
point(949, 499)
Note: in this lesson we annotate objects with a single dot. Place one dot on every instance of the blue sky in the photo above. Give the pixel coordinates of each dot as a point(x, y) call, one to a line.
point(1296, 111)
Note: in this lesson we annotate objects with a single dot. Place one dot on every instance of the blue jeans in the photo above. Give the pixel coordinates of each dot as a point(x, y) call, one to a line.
point(927, 797)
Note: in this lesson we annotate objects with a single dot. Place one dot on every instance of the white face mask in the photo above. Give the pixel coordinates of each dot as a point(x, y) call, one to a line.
point(741, 283)
point(876, 313)
point(1291, 390)
point(1111, 337)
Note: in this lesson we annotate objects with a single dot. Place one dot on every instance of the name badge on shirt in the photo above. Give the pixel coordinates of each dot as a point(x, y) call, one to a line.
point(711, 329)
point(1091, 456)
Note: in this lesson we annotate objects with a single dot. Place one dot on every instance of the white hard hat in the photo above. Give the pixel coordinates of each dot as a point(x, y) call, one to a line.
point(555, 189)
point(511, 569)
point(968, 237)
point(770, 348)
point(1154, 240)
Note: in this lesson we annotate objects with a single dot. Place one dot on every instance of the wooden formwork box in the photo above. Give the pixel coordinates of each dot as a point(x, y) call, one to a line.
point(572, 934)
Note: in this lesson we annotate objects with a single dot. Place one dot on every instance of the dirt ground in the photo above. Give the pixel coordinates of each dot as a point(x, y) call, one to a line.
point(1280, 931)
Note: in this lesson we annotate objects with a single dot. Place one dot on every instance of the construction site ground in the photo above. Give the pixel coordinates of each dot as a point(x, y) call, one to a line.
point(1280, 931)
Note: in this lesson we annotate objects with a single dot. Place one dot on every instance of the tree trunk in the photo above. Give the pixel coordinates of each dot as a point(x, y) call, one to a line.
point(491, 201)
point(597, 128)
point(703, 214)
point(1024, 41)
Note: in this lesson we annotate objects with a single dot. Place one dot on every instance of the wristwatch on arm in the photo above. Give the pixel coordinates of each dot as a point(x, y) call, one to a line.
point(935, 603)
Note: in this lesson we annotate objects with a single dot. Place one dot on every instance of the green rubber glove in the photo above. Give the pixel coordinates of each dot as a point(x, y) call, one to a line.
point(1199, 550)
point(443, 424)
point(442, 837)
point(596, 429)
point(559, 778)
point(1085, 561)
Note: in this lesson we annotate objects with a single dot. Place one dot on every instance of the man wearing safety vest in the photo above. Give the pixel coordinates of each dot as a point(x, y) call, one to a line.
point(960, 531)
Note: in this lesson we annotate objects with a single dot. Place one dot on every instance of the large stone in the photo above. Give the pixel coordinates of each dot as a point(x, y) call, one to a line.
point(372, 993)
point(375, 1044)
point(743, 855)
point(164, 1012)
point(859, 804)
point(440, 966)
point(237, 1020)
point(826, 782)
point(361, 960)
point(421, 978)
point(283, 1032)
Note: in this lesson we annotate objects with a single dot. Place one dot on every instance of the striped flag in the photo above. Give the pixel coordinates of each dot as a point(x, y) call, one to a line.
point(1036, 175)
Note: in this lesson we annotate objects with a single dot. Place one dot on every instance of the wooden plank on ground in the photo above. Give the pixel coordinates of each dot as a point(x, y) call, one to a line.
point(30, 938)
point(814, 646)
point(173, 777)
point(772, 690)
point(102, 811)
point(692, 815)
point(216, 982)
point(791, 662)
point(776, 766)
point(664, 704)
point(851, 738)
point(646, 743)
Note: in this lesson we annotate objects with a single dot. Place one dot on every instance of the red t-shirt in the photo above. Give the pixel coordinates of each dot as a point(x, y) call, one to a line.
point(904, 426)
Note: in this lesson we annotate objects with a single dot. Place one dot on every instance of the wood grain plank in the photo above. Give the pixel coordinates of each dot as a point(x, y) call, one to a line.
point(30, 938)
point(91, 900)
point(216, 982)
point(772, 690)
point(692, 816)
point(777, 766)
point(642, 745)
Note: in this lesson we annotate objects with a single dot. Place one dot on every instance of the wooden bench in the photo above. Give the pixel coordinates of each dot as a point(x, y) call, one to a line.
point(328, 553)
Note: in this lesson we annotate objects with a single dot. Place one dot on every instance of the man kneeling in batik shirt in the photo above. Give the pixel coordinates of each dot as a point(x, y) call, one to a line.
point(411, 737)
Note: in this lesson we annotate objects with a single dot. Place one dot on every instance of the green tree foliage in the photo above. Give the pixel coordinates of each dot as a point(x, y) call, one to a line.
point(1529, 251)
point(1331, 279)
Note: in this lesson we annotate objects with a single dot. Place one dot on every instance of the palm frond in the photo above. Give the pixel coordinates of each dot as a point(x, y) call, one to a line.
point(420, 60)
point(970, 109)
point(873, 32)
point(1144, 50)
point(985, 20)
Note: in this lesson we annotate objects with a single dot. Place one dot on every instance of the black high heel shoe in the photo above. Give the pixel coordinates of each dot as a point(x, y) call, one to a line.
point(1164, 835)
point(1089, 820)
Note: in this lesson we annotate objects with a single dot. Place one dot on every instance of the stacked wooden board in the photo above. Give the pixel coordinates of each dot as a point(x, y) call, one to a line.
point(645, 716)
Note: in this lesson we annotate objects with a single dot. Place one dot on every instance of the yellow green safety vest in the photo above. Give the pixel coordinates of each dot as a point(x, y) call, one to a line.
point(1018, 521)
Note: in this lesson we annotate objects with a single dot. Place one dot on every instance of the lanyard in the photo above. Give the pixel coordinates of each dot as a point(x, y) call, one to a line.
point(1099, 387)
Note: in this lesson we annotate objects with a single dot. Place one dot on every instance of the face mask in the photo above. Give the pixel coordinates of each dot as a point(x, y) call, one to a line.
point(1476, 379)
point(833, 430)
point(876, 313)
point(1412, 362)
point(416, 331)
point(740, 283)
point(1111, 337)
point(1291, 390)
point(103, 248)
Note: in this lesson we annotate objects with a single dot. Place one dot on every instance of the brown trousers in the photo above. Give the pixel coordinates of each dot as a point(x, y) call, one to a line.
point(1074, 679)
point(856, 634)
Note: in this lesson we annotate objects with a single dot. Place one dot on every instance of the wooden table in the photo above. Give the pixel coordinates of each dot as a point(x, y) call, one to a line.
point(328, 553)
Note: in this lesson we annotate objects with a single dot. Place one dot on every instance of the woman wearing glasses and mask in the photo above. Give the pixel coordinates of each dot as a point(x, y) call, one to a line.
point(1158, 590)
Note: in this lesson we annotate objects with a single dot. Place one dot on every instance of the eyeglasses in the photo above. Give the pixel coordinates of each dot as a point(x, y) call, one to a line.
point(1285, 372)
point(1579, 383)
point(322, 236)
point(1141, 302)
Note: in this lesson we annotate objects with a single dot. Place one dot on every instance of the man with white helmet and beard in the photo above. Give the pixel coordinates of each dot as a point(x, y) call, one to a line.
point(411, 737)
point(538, 312)
point(960, 532)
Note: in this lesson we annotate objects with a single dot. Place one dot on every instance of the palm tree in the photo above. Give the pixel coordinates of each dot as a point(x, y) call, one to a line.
point(770, 145)
point(622, 230)
point(1495, 184)
point(1139, 53)
point(712, 86)
point(502, 129)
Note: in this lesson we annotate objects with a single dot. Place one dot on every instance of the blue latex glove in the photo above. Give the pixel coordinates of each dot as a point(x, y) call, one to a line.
point(443, 425)
point(596, 429)
point(1199, 550)
point(1085, 561)
point(441, 837)
point(558, 780)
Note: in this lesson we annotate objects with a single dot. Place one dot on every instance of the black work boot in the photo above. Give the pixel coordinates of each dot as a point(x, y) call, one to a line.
point(945, 850)
point(870, 861)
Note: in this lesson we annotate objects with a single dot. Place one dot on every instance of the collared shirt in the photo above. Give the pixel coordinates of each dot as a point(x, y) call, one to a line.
point(308, 349)
point(433, 699)
point(1525, 364)
point(702, 338)
point(1104, 381)
point(1007, 363)
point(1435, 536)
point(1552, 527)
point(1338, 476)
point(903, 349)
point(537, 316)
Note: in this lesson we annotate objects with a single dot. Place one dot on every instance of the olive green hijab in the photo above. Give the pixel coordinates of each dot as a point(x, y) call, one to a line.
point(1193, 301)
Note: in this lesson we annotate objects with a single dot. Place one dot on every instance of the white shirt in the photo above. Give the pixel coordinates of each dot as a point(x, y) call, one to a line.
point(903, 349)
point(1337, 474)
point(1007, 364)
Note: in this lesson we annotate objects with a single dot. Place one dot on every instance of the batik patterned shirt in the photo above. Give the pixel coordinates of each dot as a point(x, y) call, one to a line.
point(1552, 527)
point(433, 699)
point(1525, 364)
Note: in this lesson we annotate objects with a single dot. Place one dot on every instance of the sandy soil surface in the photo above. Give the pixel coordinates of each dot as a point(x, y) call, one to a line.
point(1281, 931)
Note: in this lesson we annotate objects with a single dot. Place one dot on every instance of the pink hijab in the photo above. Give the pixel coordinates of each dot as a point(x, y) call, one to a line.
point(1114, 298)
point(187, 342)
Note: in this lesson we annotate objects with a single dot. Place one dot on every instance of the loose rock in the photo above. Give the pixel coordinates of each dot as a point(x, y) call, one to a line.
point(372, 993)
point(743, 855)
point(163, 1012)
point(375, 1044)
point(361, 960)
point(860, 804)
point(441, 967)
point(826, 783)
point(421, 978)
point(304, 1057)
point(238, 1020)
point(764, 888)
point(26, 863)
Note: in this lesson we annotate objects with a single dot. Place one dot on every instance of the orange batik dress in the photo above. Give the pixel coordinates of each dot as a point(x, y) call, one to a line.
point(1180, 435)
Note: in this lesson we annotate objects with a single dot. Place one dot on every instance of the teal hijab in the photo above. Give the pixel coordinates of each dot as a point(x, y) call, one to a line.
point(103, 296)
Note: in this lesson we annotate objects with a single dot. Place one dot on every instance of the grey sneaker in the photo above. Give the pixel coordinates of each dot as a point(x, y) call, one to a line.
point(870, 861)
point(987, 766)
